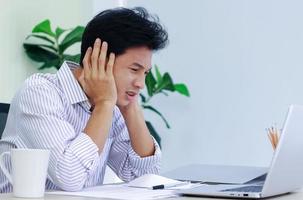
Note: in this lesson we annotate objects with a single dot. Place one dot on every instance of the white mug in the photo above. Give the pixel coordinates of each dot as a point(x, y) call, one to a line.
point(29, 170)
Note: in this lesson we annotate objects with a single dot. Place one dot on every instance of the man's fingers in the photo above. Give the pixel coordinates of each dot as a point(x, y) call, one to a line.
point(86, 62)
point(95, 56)
point(110, 64)
point(102, 58)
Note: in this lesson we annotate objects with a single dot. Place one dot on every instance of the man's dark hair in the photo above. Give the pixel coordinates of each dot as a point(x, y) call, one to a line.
point(123, 28)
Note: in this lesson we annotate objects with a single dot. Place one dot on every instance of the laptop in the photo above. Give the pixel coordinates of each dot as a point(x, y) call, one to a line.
point(284, 175)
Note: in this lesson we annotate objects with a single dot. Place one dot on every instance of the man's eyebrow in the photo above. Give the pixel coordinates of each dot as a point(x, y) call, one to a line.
point(141, 66)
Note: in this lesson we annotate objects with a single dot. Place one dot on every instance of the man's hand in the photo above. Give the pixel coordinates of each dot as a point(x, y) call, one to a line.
point(130, 106)
point(98, 81)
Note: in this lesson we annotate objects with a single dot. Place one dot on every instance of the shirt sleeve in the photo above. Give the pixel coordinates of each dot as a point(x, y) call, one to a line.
point(43, 125)
point(124, 161)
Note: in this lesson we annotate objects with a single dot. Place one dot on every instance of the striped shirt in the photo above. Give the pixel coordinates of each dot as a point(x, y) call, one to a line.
point(50, 111)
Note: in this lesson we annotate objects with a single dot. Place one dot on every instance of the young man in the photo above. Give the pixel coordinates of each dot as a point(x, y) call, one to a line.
point(88, 115)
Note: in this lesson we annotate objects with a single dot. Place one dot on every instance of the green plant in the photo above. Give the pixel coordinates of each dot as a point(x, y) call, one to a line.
point(49, 49)
point(156, 84)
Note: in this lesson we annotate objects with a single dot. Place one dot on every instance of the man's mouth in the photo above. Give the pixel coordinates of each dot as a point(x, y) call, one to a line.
point(131, 95)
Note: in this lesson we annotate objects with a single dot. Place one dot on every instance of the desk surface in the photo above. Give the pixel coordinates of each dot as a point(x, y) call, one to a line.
point(292, 196)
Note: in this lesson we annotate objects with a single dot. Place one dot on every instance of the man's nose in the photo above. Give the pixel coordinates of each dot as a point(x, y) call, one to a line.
point(140, 82)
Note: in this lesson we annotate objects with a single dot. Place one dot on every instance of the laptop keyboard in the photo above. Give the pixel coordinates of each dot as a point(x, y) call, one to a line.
point(252, 188)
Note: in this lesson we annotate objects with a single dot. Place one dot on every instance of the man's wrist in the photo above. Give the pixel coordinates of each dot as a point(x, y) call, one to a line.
point(104, 105)
point(130, 109)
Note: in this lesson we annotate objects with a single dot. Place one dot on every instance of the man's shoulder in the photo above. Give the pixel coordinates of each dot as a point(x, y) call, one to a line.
point(40, 93)
point(41, 83)
point(40, 79)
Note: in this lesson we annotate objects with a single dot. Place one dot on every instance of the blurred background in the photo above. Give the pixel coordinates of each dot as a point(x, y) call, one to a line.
point(241, 60)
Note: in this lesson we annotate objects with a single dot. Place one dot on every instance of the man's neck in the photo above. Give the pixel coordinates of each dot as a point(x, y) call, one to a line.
point(77, 73)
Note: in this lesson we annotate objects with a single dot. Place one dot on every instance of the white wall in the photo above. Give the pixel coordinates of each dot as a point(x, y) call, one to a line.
point(242, 61)
point(17, 18)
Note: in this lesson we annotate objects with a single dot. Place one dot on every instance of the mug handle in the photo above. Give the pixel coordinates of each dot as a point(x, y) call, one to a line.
point(3, 168)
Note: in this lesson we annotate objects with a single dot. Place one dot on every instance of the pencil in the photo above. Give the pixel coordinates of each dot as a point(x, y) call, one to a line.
point(270, 139)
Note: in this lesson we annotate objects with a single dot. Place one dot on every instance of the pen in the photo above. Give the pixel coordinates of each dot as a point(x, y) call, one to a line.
point(166, 186)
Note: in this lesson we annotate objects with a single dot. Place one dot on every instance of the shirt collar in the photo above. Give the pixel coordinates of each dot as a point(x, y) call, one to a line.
point(71, 86)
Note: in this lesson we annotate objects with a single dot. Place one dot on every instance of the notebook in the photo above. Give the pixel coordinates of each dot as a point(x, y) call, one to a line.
point(284, 175)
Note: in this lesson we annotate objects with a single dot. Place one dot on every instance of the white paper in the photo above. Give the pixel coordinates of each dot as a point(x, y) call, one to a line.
point(121, 191)
point(139, 188)
point(150, 180)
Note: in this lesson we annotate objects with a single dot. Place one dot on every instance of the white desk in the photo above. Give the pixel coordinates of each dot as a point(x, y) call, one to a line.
point(293, 196)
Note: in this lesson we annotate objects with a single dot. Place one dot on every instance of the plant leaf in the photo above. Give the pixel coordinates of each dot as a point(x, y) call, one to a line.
point(51, 63)
point(156, 111)
point(150, 83)
point(43, 27)
point(143, 98)
point(153, 132)
point(182, 89)
point(71, 38)
point(45, 38)
point(166, 84)
point(59, 31)
point(158, 74)
point(45, 46)
point(74, 58)
point(39, 54)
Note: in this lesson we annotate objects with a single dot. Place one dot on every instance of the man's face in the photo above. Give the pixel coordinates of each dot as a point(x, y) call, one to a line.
point(130, 70)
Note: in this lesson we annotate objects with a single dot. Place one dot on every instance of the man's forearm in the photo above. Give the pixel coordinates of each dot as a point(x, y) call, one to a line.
point(99, 124)
point(141, 140)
